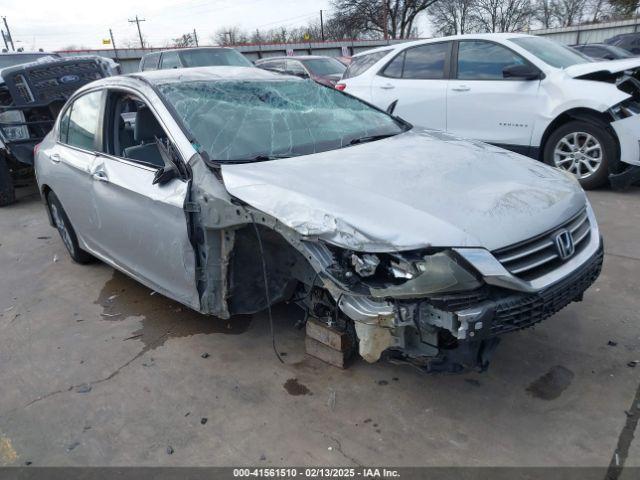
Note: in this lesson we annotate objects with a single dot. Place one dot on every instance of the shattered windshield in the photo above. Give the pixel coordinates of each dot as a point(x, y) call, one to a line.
point(239, 120)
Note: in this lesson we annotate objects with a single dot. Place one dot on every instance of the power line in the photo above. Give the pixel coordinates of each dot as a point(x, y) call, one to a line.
point(137, 22)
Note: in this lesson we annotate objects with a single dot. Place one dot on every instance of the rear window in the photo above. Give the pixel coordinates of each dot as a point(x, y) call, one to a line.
point(362, 63)
point(9, 60)
point(214, 56)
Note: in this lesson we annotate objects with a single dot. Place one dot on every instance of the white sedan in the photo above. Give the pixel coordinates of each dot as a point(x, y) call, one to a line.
point(524, 93)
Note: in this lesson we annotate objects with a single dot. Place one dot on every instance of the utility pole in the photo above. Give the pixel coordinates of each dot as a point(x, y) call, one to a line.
point(321, 26)
point(4, 38)
point(9, 37)
point(137, 22)
point(195, 37)
point(113, 44)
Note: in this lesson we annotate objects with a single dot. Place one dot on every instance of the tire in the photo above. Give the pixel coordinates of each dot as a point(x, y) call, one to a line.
point(584, 149)
point(66, 231)
point(7, 192)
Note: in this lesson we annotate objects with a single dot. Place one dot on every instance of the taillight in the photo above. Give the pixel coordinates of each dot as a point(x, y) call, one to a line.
point(341, 86)
point(35, 149)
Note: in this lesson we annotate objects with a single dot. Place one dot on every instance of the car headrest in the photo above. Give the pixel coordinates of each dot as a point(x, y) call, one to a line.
point(147, 127)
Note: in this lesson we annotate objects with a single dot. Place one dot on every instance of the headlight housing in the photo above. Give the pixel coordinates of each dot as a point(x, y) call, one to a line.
point(411, 275)
point(14, 132)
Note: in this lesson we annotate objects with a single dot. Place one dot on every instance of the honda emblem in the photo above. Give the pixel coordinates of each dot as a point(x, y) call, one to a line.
point(564, 244)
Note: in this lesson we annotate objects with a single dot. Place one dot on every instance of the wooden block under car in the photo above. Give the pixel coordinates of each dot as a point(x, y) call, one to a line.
point(325, 353)
point(327, 335)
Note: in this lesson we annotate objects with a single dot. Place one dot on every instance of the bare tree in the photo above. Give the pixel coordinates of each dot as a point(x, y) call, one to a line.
point(452, 17)
point(543, 11)
point(623, 8)
point(502, 15)
point(184, 40)
point(569, 12)
point(369, 16)
point(229, 36)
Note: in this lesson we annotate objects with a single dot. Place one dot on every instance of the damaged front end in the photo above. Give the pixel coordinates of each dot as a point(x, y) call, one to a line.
point(625, 122)
point(438, 309)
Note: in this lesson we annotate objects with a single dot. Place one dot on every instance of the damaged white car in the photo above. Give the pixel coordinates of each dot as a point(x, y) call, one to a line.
point(236, 188)
point(524, 93)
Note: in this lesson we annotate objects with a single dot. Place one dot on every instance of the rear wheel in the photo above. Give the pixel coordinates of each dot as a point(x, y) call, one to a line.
point(7, 192)
point(584, 149)
point(66, 231)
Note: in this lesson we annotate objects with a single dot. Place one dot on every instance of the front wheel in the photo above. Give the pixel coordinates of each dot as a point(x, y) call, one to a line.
point(7, 192)
point(583, 149)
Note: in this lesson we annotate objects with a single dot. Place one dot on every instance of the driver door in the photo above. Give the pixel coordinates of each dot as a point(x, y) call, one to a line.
point(142, 227)
point(482, 104)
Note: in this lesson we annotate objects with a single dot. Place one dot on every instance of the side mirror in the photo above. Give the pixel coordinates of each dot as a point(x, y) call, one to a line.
point(609, 56)
point(521, 72)
point(392, 107)
point(170, 170)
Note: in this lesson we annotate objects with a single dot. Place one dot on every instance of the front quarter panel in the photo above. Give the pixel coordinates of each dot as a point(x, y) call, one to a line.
point(561, 93)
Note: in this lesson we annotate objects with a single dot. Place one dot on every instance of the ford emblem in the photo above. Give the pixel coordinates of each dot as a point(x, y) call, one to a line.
point(69, 79)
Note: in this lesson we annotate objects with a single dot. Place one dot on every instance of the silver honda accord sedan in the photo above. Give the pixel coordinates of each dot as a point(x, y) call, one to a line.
point(232, 189)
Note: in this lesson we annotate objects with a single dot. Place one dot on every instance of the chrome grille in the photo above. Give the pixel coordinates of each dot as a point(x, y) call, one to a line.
point(539, 255)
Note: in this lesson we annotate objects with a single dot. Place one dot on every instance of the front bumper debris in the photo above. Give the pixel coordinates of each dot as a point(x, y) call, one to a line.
point(623, 180)
point(459, 332)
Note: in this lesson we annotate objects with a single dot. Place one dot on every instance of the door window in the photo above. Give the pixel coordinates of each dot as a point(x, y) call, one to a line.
point(423, 62)
point(273, 65)
point(170, 60)
point(133, 130)
point(394, 69)
point(295, 68)
point(426, 61)
point(479, 60)
point(83, 121)
point(150, 62)
point(362, 63)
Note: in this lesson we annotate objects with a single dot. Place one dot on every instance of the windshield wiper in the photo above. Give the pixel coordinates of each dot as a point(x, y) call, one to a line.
point(263, 158)
point(371, 138)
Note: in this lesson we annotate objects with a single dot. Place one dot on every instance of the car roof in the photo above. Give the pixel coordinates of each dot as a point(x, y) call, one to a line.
point(293, 57)
point(188, 49)
point(29, 53)
point(466, 36)
point(218, 73)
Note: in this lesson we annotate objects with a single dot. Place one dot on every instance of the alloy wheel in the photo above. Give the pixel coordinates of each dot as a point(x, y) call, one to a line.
point(579, 153)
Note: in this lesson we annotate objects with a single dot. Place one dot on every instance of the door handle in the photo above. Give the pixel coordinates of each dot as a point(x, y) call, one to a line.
point(100, 176)
point(55, 157)
point(387, 86)
point(461, 88)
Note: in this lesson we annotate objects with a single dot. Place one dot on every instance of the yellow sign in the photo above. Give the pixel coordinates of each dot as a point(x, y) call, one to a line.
point(307, 36)
point(106, 41)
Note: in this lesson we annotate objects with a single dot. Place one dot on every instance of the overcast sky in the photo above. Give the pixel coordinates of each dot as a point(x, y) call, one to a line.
point(51, 24)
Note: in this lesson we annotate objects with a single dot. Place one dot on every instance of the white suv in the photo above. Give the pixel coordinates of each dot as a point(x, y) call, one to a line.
point(524, 93)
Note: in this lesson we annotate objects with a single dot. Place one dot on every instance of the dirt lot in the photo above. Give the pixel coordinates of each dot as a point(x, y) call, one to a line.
point(95, 370)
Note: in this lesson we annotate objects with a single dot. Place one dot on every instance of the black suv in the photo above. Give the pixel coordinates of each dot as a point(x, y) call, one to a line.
point(33, 89)
point(629, 41)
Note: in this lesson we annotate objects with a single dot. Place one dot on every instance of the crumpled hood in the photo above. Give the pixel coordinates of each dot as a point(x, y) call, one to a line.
point(418, 189)
point(610, 66)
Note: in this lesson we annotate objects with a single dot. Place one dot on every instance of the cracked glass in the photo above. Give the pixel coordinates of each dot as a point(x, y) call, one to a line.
point(254, 120)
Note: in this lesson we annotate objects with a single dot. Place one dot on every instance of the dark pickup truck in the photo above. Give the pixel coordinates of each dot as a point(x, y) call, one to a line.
point(33, 89)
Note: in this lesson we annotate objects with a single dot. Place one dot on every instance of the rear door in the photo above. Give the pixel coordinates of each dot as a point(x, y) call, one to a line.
point(72, 159)
point(417, 79)
point(482, 104)
point(142, 227)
